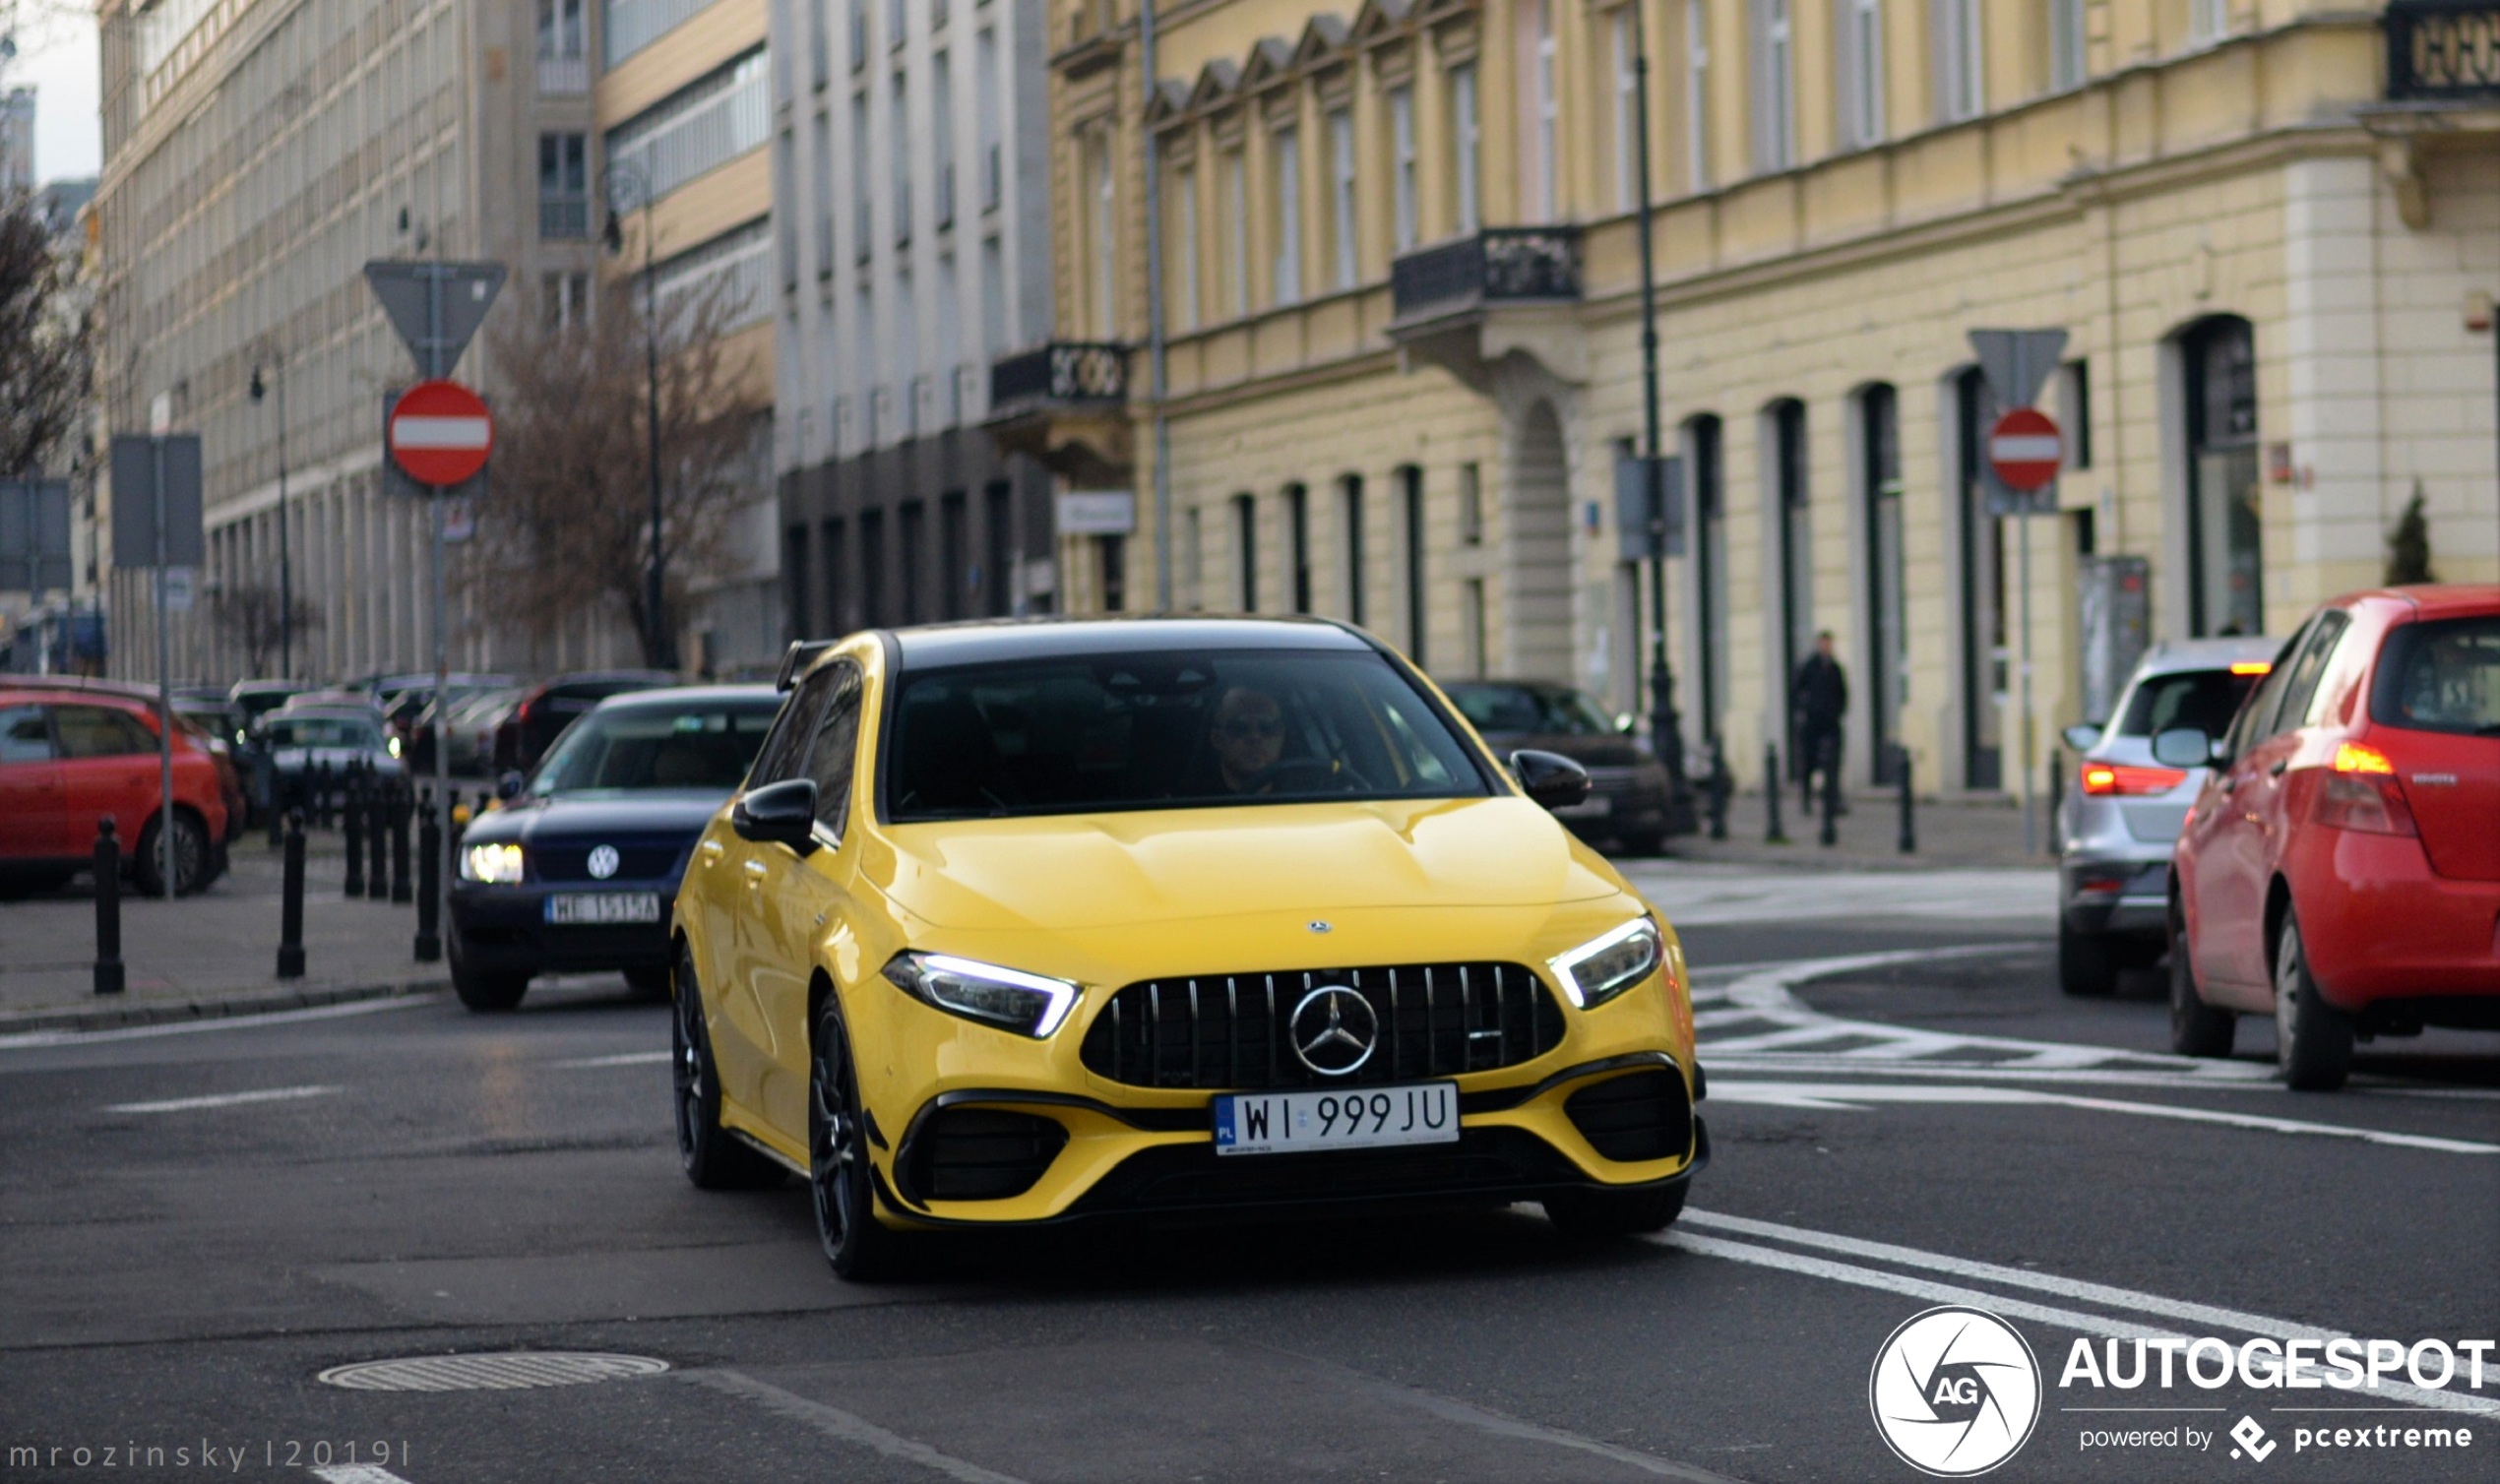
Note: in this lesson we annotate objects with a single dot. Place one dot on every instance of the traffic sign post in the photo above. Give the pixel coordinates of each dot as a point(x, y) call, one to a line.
point(441, 439)
point(2025, 452)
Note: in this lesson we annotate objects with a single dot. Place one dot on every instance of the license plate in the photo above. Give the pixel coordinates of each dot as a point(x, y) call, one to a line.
point(1358, 1118)
point(598, 907)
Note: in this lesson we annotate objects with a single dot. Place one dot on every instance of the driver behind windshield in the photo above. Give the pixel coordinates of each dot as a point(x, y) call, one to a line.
point(1247, 736)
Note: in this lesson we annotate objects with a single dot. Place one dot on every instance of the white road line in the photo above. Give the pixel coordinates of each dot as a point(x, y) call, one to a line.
point(357, 1473)
point(1851, 1095)
point(222, 1101)
point(33, 1039)
point(621, 1059)
point(2007, 1307)
point(848, 1427)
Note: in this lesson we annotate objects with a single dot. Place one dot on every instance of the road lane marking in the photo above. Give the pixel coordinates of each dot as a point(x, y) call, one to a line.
point(622, 1059)
point(1689, 894)
point(1851, 1096)
point(2008, 1307)
point(356, 1473)
point(847, 1427)
point(38, 1039)
point(222, 1101)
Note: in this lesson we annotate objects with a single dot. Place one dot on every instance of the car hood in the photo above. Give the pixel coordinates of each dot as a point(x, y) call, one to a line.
point(598, 818)
point(1163, 866)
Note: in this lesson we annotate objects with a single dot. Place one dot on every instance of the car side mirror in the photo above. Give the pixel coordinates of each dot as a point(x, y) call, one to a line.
point(2083, 736)
point(508, 787)
point(785, 812)
point(2183, 747)
point(1550, 779)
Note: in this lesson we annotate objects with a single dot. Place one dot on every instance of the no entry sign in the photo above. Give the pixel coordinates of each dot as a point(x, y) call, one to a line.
point(2025, 449)
point(440, 433)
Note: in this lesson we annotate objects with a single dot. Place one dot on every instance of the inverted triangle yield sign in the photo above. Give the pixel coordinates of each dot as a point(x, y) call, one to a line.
point(467, 290)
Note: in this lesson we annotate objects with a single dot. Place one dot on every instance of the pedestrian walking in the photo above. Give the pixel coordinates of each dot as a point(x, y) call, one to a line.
point(1818, 698)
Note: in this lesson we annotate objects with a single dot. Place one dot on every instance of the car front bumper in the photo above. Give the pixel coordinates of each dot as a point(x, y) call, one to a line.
point(504, 930)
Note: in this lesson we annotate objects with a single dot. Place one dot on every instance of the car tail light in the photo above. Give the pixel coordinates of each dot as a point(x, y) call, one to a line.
point(2360, 792)
point(2101, 779)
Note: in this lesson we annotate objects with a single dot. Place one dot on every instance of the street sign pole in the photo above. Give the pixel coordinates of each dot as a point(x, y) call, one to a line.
point(2017, 363)
point(429, 951)
point(165, 682)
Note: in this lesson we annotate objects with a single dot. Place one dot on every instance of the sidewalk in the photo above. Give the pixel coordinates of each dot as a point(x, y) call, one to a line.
point(211, 954)
point(1983, 830)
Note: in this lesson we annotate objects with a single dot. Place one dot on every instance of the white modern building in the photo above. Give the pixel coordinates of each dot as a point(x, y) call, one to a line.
point(911, 184)
point(17, 140)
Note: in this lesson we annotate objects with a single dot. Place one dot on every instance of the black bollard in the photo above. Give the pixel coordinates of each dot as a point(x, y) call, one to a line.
point(1719, 787)
point(291, 901)
point(319, 779)
point(400, 893)
point(1900, 773)
point(2056, 797)
point(377, 835)
point(1772, 832)
point(1831, 791)
point(429, 884)
point(108, 971)
point(352, 818)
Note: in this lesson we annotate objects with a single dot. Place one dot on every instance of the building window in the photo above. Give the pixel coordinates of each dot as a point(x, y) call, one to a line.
point(1466, 147)
point(1961, 86)
point(709, 122)
point(563, 47)
point(2074, 412)
point(1245, 553)
point(564, 299)
point(1861, 64)
point(737, 264)
point(1792, 498)
point(1697, 93)
point(1887, 593)
point(1287, 275)
point(858, 15)
point(564, 186)
point(1106, 306)
point(1342, 219)
point(1774, 141)
point(1402, 163)
point(941, 136)
point(823, 141)
point(863, 199)
point(993, 298)
point(1411, 499)
point(1349, 504)
point(2209, 21)
point(1297, 532)
point(986, 87)
point(1627, 116)
point(1470, 505)
point(1548, 107)
point(998, 570)
point(2065, 44)
point(2225, 534)
point(1236, 212)
point(900, 132)
point(1193, 559)
point(1184, 278)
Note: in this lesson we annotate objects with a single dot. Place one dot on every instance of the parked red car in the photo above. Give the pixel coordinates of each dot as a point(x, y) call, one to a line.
point(71, 754)
point(2340, 867)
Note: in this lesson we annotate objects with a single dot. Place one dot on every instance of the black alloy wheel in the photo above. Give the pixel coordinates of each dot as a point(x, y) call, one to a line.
point(1587, 1215)
point(2196, 1027)
point(862, 1249)
point(713, 1160)
point(484, 993)
point(2313, 1040)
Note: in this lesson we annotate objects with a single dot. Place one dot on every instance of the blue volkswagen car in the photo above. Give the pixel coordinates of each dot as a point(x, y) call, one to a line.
point(578, 869)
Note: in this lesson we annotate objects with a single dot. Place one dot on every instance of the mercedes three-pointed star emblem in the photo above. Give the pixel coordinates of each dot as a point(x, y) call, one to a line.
point(1334, 1030)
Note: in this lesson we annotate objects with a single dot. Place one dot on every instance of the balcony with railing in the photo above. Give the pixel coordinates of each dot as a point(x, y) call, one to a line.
point(1498, 265)
point(2443, 50)
point(564, 219)
point(563, 77)
point(1065, 403)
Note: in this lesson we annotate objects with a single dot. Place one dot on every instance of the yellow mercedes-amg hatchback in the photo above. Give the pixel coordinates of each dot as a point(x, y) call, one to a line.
point(1018, 923)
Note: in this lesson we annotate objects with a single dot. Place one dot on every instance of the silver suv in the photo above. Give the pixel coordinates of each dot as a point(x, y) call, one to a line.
point(2123, 809)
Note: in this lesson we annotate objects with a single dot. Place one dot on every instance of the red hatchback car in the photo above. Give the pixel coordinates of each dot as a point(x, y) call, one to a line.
point(71, 755)
point(2342, 866)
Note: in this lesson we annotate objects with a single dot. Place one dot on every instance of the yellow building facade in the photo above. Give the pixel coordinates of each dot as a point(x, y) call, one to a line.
point(1401, 284)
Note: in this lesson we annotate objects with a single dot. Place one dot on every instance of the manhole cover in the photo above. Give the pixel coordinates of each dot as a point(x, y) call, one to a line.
point(508, 1372)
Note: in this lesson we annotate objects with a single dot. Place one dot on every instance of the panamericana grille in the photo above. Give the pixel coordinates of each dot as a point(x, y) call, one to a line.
point(1233, 1031)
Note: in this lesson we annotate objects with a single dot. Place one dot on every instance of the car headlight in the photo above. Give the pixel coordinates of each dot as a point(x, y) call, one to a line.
point(1605, 966)
point(395, 747)
point(498, 864)
point(1007, 998)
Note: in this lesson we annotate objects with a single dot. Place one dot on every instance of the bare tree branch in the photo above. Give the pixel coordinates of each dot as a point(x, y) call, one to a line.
point(44, 342)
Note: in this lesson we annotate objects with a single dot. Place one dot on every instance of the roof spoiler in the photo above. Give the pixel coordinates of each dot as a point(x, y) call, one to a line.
point(798, 658)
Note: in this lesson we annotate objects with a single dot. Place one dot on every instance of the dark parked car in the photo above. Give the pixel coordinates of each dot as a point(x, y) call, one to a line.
point(1629, 802)
point(579, 871)
point(522, 737)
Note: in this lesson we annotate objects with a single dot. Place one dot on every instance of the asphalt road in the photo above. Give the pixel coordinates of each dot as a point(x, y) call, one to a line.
point(1933, 1126)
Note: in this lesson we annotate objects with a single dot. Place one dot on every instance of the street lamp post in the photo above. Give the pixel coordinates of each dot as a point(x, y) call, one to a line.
point(1666, 730)
point(285, 562)
point(631, 177)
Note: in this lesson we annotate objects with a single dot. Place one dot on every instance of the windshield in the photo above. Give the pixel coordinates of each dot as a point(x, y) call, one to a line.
point(704, 745)
point(1517, 709)
point(1166, 731)
point(2205, 700)
point(323, 731)
point(2441, 676)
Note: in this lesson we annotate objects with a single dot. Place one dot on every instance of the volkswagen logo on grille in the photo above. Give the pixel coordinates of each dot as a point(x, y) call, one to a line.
point(1334, 1030)
point(604, 861)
